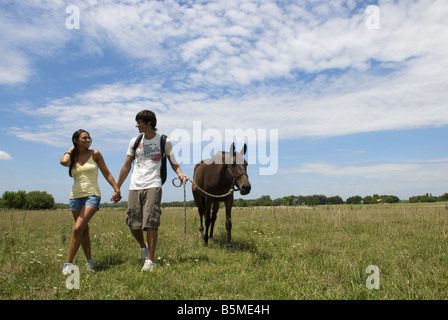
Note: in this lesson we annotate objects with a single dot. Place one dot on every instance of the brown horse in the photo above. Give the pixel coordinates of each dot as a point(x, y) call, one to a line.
point(216, 176)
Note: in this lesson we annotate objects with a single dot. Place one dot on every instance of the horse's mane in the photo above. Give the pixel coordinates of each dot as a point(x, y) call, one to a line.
point(224, 157)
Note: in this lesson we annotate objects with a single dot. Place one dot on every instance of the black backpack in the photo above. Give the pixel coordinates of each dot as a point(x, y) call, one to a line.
point(162, 147)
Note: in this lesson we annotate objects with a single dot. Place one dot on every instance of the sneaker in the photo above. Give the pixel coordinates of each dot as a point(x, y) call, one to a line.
point(148, 266)
point(89, 265)
point(67, 268)
point(143, 253)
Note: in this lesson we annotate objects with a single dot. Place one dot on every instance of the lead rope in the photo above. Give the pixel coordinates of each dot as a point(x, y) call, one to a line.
point(184, 182)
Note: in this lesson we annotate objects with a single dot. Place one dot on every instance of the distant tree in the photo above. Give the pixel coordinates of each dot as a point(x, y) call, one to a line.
point(390, 198)
point(37, 200)
point(312, 202)
point(289, 200)
point(444, 197)
point(425, 198)
point(321, 198)
point(369, 200)
point(335, 200)
point(14, 200)
point(240, 202)
point(428, 199)
point(263, 201)
point(34, 200)
point(61, 205)
point(296, 201)
point(354, 200)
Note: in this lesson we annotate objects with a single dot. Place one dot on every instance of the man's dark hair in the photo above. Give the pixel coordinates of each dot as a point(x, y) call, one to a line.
point(147, 116)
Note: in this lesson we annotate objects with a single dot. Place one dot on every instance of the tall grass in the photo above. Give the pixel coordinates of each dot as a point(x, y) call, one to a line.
point(278, 253)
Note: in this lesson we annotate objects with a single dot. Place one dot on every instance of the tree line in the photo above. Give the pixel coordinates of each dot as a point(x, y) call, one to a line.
point(315, 200)
point(34, 200)
point(38, 200)
point(428, 198)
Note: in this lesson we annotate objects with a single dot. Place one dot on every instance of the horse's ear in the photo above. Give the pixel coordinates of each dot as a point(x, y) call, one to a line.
point(232, 148)
point(244, 150)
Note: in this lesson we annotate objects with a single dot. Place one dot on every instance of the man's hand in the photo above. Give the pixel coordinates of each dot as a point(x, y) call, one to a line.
point(116, 197)
point(183, 178)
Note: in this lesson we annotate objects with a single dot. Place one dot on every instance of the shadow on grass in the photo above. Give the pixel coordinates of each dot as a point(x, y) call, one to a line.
point(237, 244)
point(108, 261)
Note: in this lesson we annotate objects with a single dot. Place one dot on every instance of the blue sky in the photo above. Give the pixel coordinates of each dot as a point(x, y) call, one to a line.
point(359, 109)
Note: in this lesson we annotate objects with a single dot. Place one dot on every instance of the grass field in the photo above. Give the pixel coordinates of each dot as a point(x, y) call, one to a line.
point(285, 253)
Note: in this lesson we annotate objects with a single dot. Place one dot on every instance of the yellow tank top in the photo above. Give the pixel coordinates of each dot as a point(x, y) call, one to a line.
point(86, 180)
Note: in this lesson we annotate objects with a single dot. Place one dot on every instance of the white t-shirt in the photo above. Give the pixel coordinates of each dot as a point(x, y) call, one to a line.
point(147, 163)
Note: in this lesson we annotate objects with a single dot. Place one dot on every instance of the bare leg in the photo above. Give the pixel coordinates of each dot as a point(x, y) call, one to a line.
point(138, 235)
point(79, 236)
point(152, 235)
point(85, 241)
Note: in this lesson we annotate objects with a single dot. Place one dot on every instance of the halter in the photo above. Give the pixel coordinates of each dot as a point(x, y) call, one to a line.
point(236, 177)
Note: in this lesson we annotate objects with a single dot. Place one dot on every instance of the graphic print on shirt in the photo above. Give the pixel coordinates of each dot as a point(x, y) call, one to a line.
point(151, 151)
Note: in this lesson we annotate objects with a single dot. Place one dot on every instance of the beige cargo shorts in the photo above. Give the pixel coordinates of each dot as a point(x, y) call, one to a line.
point(144, 209)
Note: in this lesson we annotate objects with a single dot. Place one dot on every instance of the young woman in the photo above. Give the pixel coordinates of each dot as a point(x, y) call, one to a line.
point(85, 197)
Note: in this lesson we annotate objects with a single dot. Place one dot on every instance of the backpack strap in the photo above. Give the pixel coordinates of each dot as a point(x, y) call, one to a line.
point(163, 172)
point(137, 142)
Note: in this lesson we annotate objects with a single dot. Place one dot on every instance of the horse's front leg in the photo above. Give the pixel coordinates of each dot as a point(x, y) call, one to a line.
point(214, 212)
point(201, 209)
point(229, 202)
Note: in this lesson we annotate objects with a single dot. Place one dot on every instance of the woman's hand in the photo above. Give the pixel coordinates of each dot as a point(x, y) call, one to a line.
point(116, 196)
point(66, 159)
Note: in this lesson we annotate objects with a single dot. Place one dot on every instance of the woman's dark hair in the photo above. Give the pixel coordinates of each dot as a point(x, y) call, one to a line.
point(74, 155)
point(147, 116)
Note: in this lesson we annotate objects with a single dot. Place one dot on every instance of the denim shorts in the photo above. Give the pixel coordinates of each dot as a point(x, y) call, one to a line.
point(78, 203)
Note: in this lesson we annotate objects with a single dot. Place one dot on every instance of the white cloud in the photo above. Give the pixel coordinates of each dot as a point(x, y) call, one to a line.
point(230, 42)
point(4, 156)
point(30, 29)
point(14, 68)
point(383, 106)
point(305, 68)
point(381, 170)
point(405, 178)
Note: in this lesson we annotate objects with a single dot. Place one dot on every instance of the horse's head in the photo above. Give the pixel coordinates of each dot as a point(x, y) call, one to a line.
point(237, 168)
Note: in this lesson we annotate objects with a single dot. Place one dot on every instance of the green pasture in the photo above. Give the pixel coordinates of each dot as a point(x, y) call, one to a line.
point(286, 253)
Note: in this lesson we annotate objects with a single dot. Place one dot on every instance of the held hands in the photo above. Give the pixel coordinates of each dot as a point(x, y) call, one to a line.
point(116, 197)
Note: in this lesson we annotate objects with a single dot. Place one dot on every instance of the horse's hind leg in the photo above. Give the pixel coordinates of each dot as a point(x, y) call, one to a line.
point(214, 212)
point(201, 226)
point(207, 220)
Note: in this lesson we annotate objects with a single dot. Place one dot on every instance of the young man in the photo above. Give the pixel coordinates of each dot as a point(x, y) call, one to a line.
point(145, 190)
